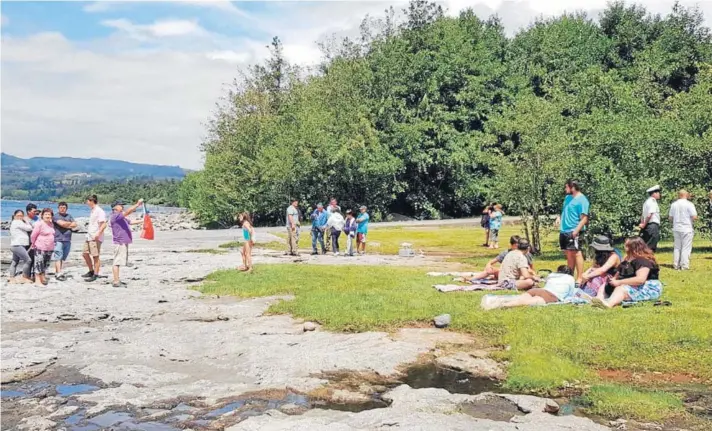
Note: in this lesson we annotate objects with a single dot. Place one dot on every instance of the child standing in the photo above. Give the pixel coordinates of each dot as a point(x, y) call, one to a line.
point(495, 226)
point(362, 230)
point(350, 227)
point(248, 234)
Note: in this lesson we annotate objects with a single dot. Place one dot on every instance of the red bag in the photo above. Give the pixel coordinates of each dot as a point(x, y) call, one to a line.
point(147, 231)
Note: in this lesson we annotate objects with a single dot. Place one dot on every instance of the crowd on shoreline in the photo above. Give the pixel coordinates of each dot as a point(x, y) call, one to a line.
point(39, 237)
point(613, 279)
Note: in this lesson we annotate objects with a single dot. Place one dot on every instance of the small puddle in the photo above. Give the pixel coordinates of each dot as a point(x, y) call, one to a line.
point(69, 390)
point(456, 382)
point(492, 408)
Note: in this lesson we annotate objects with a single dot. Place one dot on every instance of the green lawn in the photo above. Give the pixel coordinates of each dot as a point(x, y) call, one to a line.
point(551, 347)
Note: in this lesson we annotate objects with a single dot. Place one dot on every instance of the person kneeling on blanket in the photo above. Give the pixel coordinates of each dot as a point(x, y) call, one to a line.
point(636, 278)
point(559, 286)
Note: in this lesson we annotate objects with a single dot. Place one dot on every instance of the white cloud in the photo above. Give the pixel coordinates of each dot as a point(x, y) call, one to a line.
point(109, 5)
point(161, 28)
point(144, 93)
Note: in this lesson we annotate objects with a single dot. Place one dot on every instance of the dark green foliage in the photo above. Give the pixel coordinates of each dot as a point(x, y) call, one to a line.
point(433, 116)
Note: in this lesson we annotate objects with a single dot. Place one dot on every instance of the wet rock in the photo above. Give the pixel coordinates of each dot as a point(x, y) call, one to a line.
point(477, 366)
point(342, 396)
point(618, 422)
point(442, 321)
point(36, 423)
point(309, 326)
point(292, 409)
point(64, 411)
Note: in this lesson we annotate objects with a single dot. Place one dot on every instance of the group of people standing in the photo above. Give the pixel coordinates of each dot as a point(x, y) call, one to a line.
point(327, 225)
point(615, 277)
point(39, 237)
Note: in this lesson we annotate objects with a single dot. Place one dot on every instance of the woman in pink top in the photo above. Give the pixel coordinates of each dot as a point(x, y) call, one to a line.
point(42, 240)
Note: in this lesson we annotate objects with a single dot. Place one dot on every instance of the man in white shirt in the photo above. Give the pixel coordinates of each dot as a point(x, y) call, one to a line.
point(682, 215)
point(94, 238)
point(650, 220)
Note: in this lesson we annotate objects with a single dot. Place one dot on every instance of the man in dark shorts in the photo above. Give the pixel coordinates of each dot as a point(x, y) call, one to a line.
point(63, 225)
point(574, 218)
point(650, 220)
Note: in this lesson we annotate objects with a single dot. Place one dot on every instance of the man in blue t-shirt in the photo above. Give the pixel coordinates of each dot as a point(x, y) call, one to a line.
point(318, 219)
point(574, 218)
point(362, 230)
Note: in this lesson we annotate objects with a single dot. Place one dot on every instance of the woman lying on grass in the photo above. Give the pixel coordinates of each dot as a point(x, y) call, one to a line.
point(559, 286)
point(606, 261)
point(636, 278)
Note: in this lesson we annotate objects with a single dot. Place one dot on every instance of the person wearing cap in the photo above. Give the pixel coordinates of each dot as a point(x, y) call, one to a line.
point(650, 220)
point(318, 219)
point(122, 237)
point(605, 262)
point(682, 215)
point(514, 273)
point(292, 228)
point(574, 218)
point(94, 238)
point(362, 230)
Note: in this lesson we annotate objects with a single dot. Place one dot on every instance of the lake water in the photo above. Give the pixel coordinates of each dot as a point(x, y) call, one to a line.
point(7, 207)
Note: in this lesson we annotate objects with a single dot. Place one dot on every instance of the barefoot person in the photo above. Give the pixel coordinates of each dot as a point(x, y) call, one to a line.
point(492, 272)
point(636, 278)
point(559, 287)
point(42, 240)
point(19, 245)
point(94, 238)
point(650, 220)
point(122, 236)
point(514, 273)
point(682, 215)
point(574, 217)
point(63, 225)
point(248, 234)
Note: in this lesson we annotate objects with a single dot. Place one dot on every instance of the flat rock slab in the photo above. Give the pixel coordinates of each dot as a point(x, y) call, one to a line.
point(416, 409)
point(476, 365)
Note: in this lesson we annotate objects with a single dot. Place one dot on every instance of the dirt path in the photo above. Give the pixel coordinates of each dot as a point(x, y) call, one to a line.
point(157, 355)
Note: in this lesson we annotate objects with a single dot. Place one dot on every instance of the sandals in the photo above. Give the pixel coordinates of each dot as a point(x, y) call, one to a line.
point(662, 304)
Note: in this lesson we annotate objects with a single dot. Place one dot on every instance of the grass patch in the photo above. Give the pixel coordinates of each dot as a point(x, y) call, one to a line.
point(625, 402)
point(231, 244)
point(207, 251)
point(551, 347)
point(272, 245)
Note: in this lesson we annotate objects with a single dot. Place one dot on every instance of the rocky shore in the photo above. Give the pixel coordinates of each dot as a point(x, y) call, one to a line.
point(178, 221)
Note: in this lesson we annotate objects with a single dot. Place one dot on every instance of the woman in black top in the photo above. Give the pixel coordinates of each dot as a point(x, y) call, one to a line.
point(636, 278)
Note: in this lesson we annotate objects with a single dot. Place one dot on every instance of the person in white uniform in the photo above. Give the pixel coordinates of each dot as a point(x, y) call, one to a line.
point(682, 215)
point(650, 220)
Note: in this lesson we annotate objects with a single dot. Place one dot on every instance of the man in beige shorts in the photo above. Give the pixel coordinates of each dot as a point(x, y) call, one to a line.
point(94, 238)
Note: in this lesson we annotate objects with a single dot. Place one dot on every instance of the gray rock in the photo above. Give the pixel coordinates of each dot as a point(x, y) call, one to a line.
point(36, 423)
point(477, 366)
point(292, 409)
point(442, 321)
point(309, 326)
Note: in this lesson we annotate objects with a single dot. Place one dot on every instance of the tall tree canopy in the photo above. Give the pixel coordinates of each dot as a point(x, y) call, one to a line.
point(430, 116)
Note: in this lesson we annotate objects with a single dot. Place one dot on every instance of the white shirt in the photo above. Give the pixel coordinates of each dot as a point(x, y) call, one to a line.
point(96, 218)
point(336, 220)
point(561, 285)
point(651, 207)
point(682, 212)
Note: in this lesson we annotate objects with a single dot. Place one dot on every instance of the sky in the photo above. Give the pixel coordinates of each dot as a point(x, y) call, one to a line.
point(138, 80)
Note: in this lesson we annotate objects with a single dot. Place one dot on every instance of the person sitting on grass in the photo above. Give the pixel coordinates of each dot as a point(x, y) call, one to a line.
point(605, 262)
point(636, 278)
point(490, 272)
point(495, 225)
point(559, 287)
point(515, 273)
point(248, 234)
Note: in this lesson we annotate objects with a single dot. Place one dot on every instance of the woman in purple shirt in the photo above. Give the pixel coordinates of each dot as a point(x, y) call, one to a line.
point(122, 237)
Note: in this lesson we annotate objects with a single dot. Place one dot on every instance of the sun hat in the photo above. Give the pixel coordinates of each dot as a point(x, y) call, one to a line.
point(601, 243)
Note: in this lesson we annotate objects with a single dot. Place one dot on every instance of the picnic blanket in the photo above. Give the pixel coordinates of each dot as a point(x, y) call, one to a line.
point(451, 274)
point(476, 285)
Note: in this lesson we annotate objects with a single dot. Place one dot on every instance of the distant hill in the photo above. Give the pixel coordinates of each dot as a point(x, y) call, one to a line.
point(106, 168)
point(50, 177)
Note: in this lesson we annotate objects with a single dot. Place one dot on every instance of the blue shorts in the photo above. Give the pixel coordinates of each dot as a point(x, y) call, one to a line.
point(61, 251)
point(650, 290)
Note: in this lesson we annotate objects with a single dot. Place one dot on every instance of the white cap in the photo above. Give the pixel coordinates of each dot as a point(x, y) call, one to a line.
point(653, 189)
